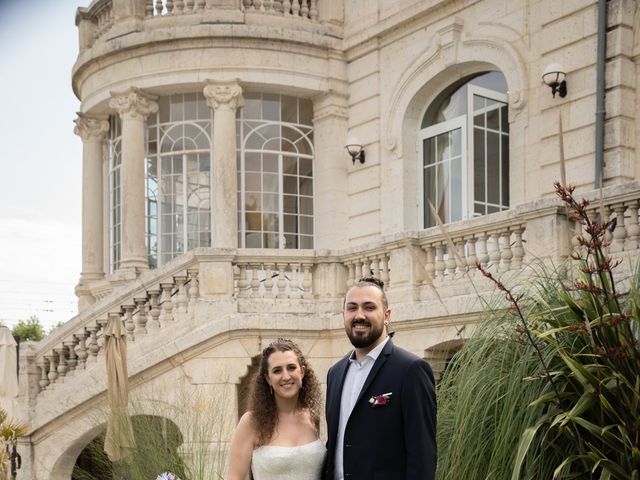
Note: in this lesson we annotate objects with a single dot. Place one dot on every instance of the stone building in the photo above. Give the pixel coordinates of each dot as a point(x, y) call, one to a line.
point(221, 209)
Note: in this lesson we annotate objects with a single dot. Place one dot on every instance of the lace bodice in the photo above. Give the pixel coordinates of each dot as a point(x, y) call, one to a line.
point(271, 462)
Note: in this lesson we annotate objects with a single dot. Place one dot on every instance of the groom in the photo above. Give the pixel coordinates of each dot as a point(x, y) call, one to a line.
point(381, 403)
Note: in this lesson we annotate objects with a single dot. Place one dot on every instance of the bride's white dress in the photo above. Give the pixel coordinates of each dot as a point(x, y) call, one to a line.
point(304, 462)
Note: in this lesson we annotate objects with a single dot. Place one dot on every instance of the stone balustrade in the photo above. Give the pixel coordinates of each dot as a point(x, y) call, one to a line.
point(299, 281)
point(97, 19)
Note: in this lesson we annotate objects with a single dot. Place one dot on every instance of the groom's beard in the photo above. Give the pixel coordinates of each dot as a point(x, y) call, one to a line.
point(366, 338)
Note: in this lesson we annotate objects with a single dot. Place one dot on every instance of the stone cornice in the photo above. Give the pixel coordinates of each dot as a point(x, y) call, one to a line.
point(91, 128)
point(133, 103)
point(224, 95)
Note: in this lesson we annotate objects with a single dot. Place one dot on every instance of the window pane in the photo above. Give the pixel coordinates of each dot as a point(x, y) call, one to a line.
point(305, 111)
point(291, 241)
point(270, 182)
point(253, 221)
point(306, 241)
point(270, 202)
point(443, 147)
point(306, 167)
point(504, 119)
point(493, 167)
point(252, 162)
point(270, 107)
point(430, 192)
point(456, 142)
point(252, 201)
point(252, 182)
point(306, 224)
point(253, 240)
point(429, 149)
point(306, 205)
point(270, 222)
point(289, 109)
point(290, 184)
point(456, 189)
point(290, 224)
point(505, 170)
point(270, 240)
point(290, 165)
point(306, 186)
point(269, 162)
point(290, 204)
point(478, 165)
point(493, 120)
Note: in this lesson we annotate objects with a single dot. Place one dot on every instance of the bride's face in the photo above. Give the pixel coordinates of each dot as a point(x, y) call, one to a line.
point(285, 374)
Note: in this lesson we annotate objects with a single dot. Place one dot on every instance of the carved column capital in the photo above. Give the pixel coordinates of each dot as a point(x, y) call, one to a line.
point(224, 95)
point(91, 128)
point(133, 103)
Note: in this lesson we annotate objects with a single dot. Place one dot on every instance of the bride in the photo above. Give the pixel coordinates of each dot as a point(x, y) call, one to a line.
point(278, 437)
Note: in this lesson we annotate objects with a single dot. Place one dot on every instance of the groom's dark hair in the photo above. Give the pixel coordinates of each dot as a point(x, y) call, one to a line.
point(369, 281)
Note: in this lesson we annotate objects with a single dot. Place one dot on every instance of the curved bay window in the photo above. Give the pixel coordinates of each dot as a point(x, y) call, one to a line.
point(275, 172)
point(178, 177)
point(464, 143)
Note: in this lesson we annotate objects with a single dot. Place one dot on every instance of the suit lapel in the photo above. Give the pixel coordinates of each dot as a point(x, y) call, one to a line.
point(377, 366)
point(341, 373)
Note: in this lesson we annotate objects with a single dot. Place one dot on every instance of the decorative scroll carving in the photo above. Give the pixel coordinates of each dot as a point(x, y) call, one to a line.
point(133, 103)
point(91, 128)
point(224, 95)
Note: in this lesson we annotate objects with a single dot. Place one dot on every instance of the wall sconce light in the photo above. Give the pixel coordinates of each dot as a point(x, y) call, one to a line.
point(554, 76)
point(355, 149)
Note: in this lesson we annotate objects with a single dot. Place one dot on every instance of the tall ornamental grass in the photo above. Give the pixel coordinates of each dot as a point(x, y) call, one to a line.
point(550, 389)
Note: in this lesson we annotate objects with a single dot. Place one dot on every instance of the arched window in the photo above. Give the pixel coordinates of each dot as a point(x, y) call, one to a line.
point(178, 177)
point(275, 178)
point(464, 150)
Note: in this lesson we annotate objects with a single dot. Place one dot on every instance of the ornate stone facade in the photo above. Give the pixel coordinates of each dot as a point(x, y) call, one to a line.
point(249, 85)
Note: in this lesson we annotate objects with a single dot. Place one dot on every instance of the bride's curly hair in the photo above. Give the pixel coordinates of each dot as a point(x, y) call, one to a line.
point(261, 399)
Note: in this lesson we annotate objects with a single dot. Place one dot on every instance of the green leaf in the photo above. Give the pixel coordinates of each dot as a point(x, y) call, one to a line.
point(523, 447)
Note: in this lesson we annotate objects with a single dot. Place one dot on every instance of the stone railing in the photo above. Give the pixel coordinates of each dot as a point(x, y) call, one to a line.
point(97, 19)
point(299, 281)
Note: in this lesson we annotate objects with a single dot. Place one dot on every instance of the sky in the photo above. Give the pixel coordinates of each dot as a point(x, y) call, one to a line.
point(40, 161)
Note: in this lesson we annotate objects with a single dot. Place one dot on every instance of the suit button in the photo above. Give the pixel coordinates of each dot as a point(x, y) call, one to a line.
point(347, 446)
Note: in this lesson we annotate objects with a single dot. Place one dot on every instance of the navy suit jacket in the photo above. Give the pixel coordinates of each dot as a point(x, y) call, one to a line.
point(391, 442)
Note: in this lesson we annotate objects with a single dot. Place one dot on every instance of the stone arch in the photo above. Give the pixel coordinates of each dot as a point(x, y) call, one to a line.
point(450, 56)
point(440, 355)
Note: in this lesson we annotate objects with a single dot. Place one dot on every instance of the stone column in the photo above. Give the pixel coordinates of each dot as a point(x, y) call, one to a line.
point(224, 98)
point(93, 132)
point(330, 171)
point(133, 106)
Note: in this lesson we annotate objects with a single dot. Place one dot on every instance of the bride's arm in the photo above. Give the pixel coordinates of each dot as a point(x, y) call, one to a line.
point(241, 448)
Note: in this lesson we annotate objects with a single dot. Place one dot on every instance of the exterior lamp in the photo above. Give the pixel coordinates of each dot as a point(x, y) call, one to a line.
point(355, 149)
point(554, 76)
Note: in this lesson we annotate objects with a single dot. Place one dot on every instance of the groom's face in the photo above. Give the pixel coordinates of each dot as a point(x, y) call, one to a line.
point(365, 317)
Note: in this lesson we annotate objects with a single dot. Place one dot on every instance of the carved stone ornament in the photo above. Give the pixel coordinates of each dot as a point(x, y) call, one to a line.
point(224, 95)
point(133, 103)
point(91, 128)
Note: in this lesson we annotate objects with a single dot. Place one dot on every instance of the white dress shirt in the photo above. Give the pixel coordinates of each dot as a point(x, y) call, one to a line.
point(357, 374)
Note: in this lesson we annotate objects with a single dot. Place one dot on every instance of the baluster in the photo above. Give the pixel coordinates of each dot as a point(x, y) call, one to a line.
point(170, 10)
point(461, 259)
point(62, 363)
point(351, 275)
point(81, 349)
point(268, 280)
point(255, 281)
point(295, 8)
point(194, 290)
point(259, 5)
point(44, 380)
point(306, 280)
point(313, 11)
point(181, 297)
point(93, 344)
point(384, 265)
point(505, 252)
point(189, 6)
point(248, 5)
point(286, 7)
point(472, 258)
point(53, 371)
point(366, 268)
point(166, 314)
point(494, 252)
point(179, 10)
point(620, 232)
point(518, 248)
point(129, 326)
point(304, 9)
point(282, 282)
point(482, 250)
point(294, 291)
point(242, 281)
point(430, 266)
point(102, 323)
point(159, 7)
point(72, 361)
point(201, 5)
point(148, 8)
point(451, 263)
point(154, 310)
point(633, 229)
point(375, 266)
point(141, 318)
point(440, 264)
